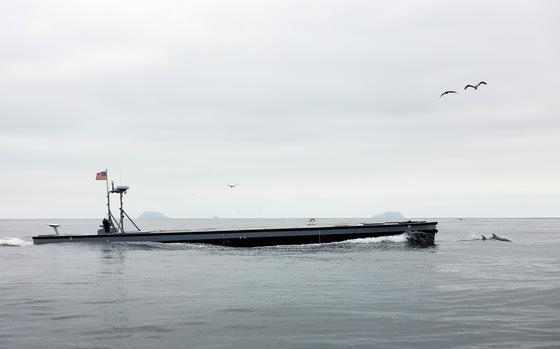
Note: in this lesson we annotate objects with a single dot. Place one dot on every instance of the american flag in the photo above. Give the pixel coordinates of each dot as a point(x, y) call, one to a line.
point(101, 176)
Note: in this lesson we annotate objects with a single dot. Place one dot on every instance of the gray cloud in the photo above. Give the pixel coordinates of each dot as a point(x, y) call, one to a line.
point(319, 108)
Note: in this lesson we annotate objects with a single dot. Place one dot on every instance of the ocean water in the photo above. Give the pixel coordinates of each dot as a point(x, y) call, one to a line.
point(366, 293)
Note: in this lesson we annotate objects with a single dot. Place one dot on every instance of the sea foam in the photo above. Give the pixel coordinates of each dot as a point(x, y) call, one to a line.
point(13, 242)
point(393, 238)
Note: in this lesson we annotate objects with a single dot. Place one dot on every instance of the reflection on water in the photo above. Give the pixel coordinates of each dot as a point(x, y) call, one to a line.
point(113, 299)
point(113, 257)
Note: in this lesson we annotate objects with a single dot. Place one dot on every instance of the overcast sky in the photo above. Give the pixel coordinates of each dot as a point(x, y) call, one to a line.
point(315, 108)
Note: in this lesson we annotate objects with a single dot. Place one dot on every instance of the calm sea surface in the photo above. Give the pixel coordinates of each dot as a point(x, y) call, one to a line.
point(368, 293)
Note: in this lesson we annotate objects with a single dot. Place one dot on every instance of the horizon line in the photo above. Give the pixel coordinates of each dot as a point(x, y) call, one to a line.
point(306, 217)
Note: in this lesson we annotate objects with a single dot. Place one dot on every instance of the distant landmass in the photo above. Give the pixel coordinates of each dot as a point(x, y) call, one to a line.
point(152, 215)
point(390, 215)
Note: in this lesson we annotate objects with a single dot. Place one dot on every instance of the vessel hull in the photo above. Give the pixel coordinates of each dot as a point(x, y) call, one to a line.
point(261, 236)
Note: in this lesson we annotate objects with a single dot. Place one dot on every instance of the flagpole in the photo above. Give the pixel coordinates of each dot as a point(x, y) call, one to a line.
point(108, 200)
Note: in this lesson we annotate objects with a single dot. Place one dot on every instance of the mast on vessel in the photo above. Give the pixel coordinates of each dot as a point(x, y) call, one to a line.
point(109, 214)
point(121, 190)
point(114, 225)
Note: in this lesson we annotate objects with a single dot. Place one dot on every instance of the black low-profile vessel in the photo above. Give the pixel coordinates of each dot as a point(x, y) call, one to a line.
point(418, 233)
point(421, 233)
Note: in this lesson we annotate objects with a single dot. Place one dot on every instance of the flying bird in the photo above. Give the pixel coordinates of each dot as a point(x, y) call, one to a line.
point(447, 92)
point(476, 86)
point(232, 185)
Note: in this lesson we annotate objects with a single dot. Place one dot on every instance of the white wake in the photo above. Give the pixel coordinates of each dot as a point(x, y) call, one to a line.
point(393, 238)
point(13, 242)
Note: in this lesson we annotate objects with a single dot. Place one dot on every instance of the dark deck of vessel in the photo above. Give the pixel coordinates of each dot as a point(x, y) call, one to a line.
point(248, 237)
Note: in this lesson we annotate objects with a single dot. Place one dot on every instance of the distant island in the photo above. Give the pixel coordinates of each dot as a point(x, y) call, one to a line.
point(152, 215)
point(390, 215)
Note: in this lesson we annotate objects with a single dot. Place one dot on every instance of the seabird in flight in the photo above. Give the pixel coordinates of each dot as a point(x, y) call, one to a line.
point(232, 185)
point(476, 86)
point(446, 92)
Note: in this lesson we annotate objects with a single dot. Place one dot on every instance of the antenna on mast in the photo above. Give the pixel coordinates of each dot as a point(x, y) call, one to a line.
point(121, 190)
point(110, 224)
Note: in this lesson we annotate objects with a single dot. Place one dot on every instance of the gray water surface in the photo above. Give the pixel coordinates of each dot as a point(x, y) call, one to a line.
point(462, 293)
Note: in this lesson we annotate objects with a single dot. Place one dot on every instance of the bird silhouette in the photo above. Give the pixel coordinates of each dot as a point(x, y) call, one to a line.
point(447, 92)
point(476, 86)
point(232, 185)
